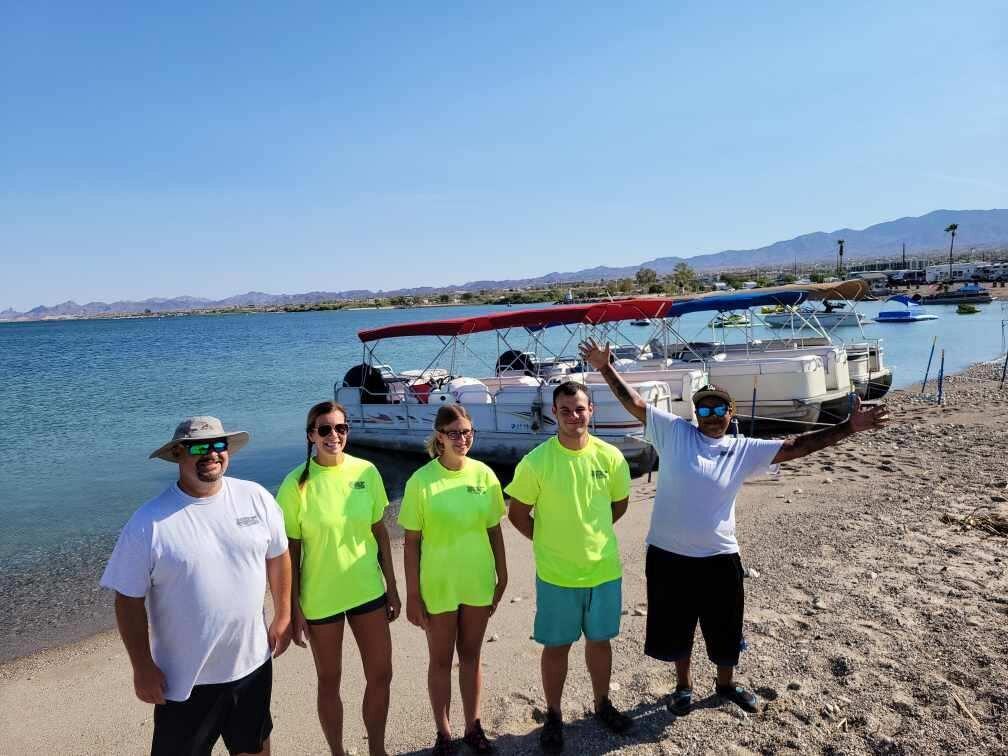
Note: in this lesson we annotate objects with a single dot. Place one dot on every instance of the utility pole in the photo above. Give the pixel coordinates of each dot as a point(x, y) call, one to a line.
point(952, 228)
point(904, 255)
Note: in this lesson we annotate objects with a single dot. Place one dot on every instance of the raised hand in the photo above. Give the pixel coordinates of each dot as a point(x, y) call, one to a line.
point(596, 356)
point(867, 418)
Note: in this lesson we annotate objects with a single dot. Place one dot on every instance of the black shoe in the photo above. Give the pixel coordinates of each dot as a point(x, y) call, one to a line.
point(738, 695)
point(443, 746)
point(680, 702)
point(476, 739)
point(612, 720)
point(551, 737)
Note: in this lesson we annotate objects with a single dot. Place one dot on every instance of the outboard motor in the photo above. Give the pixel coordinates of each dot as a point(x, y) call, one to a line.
point(512, 359)
point(369, 379)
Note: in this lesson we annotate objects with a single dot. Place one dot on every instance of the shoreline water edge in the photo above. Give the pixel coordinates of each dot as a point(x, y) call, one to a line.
point(864, 575)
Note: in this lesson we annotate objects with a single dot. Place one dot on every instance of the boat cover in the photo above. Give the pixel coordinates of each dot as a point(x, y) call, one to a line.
point(587, 314)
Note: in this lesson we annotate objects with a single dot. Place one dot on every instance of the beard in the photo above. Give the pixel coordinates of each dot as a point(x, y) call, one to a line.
point(210, 474)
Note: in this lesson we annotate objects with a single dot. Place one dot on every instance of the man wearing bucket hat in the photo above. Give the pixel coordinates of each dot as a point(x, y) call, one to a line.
point(693, 570)
point(189, 570)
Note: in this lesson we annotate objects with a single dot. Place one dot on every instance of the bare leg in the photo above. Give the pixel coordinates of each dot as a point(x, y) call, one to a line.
point(442, 633)
point(371, 631)
point(682, 670)
point(725, 675)
point(554, 674)
point(598, 657)
point(327, 648)
point(472, 625)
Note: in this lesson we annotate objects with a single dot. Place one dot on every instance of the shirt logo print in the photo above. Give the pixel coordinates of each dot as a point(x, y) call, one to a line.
point(244, 522)
point(599, 474)
point(478, 490)
point(359, 485)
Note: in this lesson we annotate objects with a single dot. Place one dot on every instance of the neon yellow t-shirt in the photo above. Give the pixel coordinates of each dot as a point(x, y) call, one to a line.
point(332, 517)
point(452, 510)
point(571, 493)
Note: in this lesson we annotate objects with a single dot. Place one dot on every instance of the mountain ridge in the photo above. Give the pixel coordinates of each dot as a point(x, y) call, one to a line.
point(924, 234)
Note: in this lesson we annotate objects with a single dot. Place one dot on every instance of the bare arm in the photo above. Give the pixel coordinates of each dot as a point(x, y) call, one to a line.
point(521, 517)
point(861, 419)
point(619, 509)
point(299, 627)
point(278, 575)
point(131, 618)
point(599, 358)
point(500, 563)
point(416, 612)
point(388, 570)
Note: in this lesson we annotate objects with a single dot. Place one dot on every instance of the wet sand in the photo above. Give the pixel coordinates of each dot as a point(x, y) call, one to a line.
point(876, 620)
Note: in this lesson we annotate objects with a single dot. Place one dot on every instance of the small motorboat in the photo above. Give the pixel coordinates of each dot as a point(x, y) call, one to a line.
point(970, 293)
point(903, 310)
point(806, 315)
point(967, 309)
point(640, 322)
point(731, 320)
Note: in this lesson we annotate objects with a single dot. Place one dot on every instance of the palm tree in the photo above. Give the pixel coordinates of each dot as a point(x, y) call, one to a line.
point(952, 228)
point(840, 243)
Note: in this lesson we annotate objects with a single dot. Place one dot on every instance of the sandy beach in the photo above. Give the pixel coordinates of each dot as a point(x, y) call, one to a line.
point(876, 622)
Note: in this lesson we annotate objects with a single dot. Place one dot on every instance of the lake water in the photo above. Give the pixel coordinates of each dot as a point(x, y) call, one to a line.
point(84, 402)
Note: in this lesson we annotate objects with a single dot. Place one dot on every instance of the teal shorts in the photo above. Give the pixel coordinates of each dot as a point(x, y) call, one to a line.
point(562, 614)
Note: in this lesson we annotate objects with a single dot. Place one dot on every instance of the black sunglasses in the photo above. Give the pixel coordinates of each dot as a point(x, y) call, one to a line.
point(201, 448)
point(455, 435)
point(327, 430)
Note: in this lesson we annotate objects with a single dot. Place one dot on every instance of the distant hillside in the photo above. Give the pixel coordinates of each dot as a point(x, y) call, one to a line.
point(977, 228)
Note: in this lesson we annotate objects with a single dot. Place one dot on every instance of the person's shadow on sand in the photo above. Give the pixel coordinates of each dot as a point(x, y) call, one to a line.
point(585, 737)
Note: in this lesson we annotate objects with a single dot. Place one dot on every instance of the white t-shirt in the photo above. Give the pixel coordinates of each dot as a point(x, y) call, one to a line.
point(201, 564)
point(698, 479)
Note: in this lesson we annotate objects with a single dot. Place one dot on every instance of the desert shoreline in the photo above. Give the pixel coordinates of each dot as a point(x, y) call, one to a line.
point(873, 624)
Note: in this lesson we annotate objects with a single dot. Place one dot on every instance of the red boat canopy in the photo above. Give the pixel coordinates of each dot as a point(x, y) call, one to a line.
point(533, 320)
point(587, 314)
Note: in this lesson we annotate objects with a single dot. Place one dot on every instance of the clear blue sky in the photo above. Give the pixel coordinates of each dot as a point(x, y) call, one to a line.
point(213, 149)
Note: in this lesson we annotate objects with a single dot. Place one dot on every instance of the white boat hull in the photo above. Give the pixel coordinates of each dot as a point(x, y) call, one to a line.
point(512, 415)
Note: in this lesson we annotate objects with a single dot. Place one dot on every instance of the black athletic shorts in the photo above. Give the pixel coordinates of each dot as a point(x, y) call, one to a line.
point(238, 711)
point(367, 606)
point(684, 590)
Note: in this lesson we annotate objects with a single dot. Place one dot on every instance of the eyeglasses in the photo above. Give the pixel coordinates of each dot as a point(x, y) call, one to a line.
point(718, 409)
point(327, 430)
point(455, 435)
point(200, 448)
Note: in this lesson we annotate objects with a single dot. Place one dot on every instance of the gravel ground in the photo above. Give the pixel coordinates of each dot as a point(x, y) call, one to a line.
point(876, 622)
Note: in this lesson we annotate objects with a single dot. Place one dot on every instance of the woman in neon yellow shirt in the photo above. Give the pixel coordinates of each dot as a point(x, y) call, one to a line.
point(455, 567)
point(333, 506)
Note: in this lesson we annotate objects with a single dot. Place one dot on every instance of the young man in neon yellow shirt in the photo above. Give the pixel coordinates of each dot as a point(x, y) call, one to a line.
point(578, 487)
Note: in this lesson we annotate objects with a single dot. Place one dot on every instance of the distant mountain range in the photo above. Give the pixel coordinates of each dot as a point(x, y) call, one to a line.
point(980, 229)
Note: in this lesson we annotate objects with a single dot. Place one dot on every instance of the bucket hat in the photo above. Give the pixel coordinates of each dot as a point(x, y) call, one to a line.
point(199, 428)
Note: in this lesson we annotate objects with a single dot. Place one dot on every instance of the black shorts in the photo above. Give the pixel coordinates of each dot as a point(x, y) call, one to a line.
point(238, 711)
point(683, 590)
point(367, 606)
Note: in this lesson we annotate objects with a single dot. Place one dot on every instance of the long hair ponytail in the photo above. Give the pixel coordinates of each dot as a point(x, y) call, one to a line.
point(322, 408)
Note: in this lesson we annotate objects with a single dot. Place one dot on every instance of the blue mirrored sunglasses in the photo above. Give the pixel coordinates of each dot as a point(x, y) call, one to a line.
point(719, 409)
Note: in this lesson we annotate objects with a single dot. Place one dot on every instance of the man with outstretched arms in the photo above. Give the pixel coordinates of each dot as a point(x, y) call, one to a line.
point(190, 570)
point(693, 570)
point(576, 486)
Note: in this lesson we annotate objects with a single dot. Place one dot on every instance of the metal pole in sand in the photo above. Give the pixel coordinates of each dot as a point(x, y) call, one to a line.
point(1004, 369)
point(752, 418)
point(928, 368)
point(941, 376)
